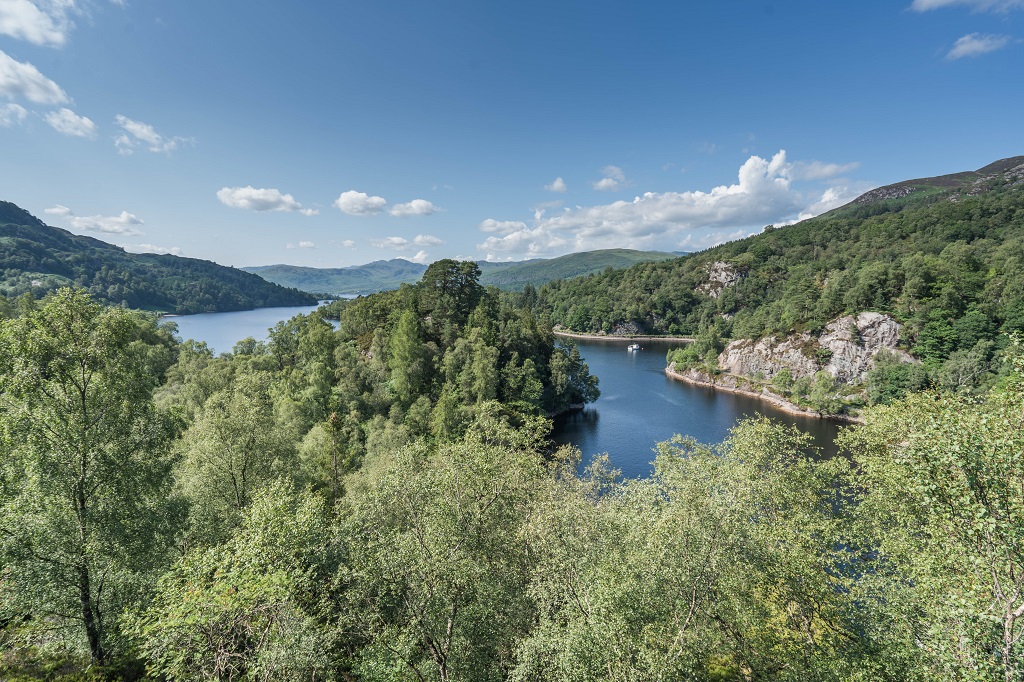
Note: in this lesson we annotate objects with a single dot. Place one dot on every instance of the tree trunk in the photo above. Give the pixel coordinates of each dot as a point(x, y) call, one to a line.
point(92, 631)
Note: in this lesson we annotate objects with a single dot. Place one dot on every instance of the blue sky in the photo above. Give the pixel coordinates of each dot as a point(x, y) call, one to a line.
point(335, 133)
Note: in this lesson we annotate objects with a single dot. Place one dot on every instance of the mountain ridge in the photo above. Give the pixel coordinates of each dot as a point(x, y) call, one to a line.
point(39, 258)
point(380, 275)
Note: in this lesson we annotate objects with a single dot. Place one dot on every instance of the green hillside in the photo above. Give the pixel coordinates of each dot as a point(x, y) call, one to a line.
point(383, 275)
point(539, 272)
point(944, 256)
point(380, 275)
point(37, 258)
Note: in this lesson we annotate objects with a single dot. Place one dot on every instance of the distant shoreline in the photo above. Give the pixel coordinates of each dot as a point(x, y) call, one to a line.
point(613, 337)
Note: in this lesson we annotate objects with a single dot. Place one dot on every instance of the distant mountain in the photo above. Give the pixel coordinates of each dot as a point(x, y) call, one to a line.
point(389, 274)
point(379, 275)
point(540, 272)
point(39, 258)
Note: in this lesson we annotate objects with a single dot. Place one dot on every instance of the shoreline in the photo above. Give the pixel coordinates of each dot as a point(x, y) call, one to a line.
point(612, 337)
point(777, 401)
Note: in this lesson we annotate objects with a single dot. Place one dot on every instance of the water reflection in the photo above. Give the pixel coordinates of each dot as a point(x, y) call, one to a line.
point(640, 406)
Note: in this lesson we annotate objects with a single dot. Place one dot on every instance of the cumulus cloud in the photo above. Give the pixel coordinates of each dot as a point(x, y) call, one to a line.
point(427, 240)
point(397, 243)
point(301, 245)
point(763, 193)
point(21, 80)
point(557, 185)
point(976, 5)
point(67, 122)
point(360, 203)
point(414, 207)
point(126, 223)
point(420, 257)
point(502, 226)
point(40, 23)
point(613, 178)
point(349, 244)
point(11, 115)
point(151, 248)
point(269, 199)
point(974, 44)
point(138, 134)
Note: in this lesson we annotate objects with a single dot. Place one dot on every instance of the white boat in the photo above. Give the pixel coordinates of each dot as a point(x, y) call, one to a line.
point(633, 346)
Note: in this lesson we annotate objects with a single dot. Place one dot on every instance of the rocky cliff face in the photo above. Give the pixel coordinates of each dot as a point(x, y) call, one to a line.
point(846, 349)
point(721, 275)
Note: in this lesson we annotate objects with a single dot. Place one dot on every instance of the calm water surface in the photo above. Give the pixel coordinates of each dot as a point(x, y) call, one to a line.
point(221, 331)
point(640, 406)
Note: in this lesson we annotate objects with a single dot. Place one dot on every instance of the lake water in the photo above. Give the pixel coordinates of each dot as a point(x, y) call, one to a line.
point(640, 406)
point(221, 331)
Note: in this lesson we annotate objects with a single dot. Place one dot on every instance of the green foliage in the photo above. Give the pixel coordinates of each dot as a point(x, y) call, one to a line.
point(941, 507)
point(338, 528)
point(258, 607)
point(85, 511)
point(38, 259)
point(946, 264)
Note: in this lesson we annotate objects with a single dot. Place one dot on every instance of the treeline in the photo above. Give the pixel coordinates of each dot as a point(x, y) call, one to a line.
point(948, 266)
point(38, 259)
point(380, 503)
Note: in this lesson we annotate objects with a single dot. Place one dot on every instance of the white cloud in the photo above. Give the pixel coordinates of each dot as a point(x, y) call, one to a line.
point(349, 244)
point(427, 240)
point(268, 199)
point(11, 115)
point(613, 179)
point(976, 5)
point(359, 203)
point(125, 224)
point(22, 80)
point(557, 185)
point(59, 210)
point(137, 133)
point(151, 248)
point(301, 245)
point(67, 122)
point(974, 44)
point(397, 243)
point(420, 257)
point(816, 170)
point(763, 194)
point(414, 207)
point(40, 23)
point(502, 226)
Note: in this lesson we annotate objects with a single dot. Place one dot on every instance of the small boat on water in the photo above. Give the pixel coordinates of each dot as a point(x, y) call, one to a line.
point(633, 346)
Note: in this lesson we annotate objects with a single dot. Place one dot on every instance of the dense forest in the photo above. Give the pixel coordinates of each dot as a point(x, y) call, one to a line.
point(380, 502)
point(944, 256)
point(38, 259)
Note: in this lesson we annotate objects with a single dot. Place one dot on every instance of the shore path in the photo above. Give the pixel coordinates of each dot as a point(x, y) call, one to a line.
point(611, 337)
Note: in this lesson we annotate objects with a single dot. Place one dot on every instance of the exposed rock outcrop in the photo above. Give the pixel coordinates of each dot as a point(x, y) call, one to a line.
point(721, 275)
point(846, 349)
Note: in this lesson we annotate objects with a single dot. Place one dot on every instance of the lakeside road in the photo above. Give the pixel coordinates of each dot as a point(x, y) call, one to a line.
point(611, 337)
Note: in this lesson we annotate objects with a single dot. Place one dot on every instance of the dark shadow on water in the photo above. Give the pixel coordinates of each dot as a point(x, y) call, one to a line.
point(640, 406)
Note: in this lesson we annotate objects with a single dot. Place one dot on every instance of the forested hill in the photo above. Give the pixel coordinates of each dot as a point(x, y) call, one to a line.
point(383, 275)
point(515, 276)
point(38, 258)
point(944, 255)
